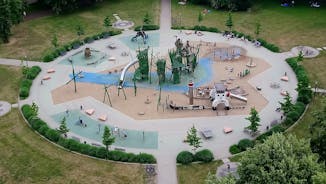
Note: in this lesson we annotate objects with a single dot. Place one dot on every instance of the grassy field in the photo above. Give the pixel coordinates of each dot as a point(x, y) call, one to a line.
point(9, 85)
point(196, 173)
point(33, 38)
point(285, 27)
point(316, 70)
point(301, 129)
point(25, 157)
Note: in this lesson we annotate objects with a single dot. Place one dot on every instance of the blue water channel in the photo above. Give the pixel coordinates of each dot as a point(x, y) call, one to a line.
point(203, 74)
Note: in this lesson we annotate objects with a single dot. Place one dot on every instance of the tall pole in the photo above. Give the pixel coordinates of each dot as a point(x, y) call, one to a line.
point(73, 73)
point(191, 93)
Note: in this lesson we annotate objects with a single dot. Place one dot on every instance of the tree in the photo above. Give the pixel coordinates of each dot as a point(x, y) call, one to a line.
point(63, 127)
point(257, 29)
point(300, 57)
point(147, 19)
point(254, 120)
point(287, 105)
point(200, 17)
point(318, 130)
point(280, 159)
point(5, 23)
point(319, 178)
point(34, 108)
point(229, 22)
point(193, 139)
point(107, 22)
point(212, 179)
point(54, 41)
point(108, 139)
point(79, 30)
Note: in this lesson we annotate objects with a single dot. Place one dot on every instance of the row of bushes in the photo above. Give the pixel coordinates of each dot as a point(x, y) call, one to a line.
point(100, 152)
point(186, 157)
point(29, 75)
point(198, 28)
point(147, 27)
point(76, 44)
point(242, 145)
point(237, 34)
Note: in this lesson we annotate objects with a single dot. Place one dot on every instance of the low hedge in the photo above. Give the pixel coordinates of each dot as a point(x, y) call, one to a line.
point(198, 28)
point(244, 144)
point(204, 156)
point(276, 129)
point(29, 74)
point(185, 157)
point(147, 27)
point(234, 149)
point(73, 145)
point(50, 56)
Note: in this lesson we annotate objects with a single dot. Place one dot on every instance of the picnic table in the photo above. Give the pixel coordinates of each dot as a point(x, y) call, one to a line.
point(207, 133)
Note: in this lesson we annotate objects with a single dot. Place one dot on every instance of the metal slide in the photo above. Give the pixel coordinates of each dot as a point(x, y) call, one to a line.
point(244, 99)
point(123, 73)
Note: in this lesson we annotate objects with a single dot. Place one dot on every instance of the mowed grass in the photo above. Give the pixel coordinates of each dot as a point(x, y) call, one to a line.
point(301, 129)
point(316, 69)
point(10, 79)
point(25, 157)
point(196, 173)
point(285, 27)
point(33, 38)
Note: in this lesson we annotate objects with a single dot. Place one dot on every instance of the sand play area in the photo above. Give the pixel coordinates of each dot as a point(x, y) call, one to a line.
point(145, 105)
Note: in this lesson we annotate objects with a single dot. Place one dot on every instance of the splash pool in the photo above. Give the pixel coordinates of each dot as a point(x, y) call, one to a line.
point(95, 129)
point(96, 58)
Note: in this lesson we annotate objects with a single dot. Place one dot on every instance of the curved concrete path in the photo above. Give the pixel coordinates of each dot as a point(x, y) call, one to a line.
point(171, 131)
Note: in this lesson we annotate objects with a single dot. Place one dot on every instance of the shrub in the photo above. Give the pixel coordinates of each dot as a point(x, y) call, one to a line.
point(147, 27)
point(288, 122)
point(204, 156)
point(24, 92)
point(244, 144)
point(74, 145)
point(131, 157)
point(49, 57)
point(63, 142)
point(43, 129)
point(293, 115)
point(234, 149)
point(37, 123)
point(299, 107)
point(101, 152)
point(92, 151)
point(185, 157)
point(33, 72)
point(115, 155)
point(275, 129)
point(85, 149)
point(27, 111)
point(145, 158)
point(88, 40)
point(52, 135)
point(114, 32)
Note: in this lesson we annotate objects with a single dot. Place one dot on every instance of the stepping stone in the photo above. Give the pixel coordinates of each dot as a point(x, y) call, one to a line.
point(225, 160)
point(141, 113)
point(324, 48)
point(320, 49)
point(14, 105)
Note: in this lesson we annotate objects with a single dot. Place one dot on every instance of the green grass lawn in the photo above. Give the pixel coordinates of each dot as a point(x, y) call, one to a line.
point(196, 173)
point(301, 129)
point(316, 70)
point(9, 85)
point(33, 38)
point(285, 27)
point(25, 157)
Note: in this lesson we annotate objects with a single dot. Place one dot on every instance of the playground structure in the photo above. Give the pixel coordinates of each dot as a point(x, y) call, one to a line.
point(141, 34)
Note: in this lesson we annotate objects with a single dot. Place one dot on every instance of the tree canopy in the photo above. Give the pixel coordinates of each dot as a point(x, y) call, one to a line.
point(11, 13)
point(280, 159)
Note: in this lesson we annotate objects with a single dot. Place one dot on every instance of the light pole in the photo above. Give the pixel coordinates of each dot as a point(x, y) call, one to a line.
point(73, 73)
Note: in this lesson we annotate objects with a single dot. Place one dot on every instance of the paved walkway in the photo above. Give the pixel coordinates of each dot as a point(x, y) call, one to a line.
point(171, 131)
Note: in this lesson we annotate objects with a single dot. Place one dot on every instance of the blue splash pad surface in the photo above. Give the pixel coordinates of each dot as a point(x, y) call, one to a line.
point(134, 139)
point(152, 41)
point(79, 59)
point(202, 75)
